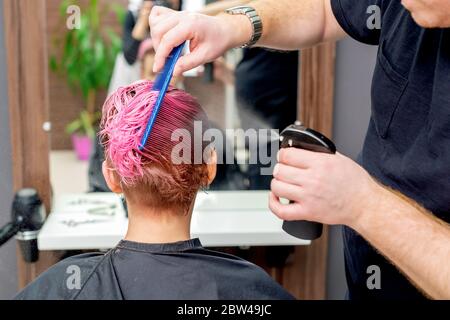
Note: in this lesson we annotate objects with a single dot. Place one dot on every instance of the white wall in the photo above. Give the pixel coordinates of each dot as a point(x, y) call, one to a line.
point(8, 273)
point(354, 67)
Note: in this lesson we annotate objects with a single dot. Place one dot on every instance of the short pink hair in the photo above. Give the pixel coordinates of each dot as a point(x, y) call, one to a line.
point(149, 175)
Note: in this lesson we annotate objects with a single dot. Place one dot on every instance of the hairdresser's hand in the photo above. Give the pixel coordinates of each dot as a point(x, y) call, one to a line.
point(330, 189)
point(209, 36)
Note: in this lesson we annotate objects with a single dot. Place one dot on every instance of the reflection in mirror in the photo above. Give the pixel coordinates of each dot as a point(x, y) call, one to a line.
point(249, 90)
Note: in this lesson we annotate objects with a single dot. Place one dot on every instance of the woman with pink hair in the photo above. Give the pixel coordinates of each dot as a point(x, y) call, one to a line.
point(157, 259)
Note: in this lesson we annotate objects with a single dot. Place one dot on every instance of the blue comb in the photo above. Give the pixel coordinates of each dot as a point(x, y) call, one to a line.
point(161, 85)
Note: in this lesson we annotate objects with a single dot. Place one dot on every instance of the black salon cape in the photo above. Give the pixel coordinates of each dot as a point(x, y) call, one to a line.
point(137, 271)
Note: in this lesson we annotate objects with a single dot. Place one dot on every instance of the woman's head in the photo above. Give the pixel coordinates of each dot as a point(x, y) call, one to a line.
point(152, 177)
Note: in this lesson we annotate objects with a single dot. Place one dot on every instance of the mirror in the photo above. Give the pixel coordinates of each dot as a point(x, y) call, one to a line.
point(97, 46)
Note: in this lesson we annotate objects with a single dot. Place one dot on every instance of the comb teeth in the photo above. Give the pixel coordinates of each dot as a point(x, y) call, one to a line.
point(161, 85)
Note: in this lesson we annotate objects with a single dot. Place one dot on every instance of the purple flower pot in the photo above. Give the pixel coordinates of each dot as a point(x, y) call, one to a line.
point(82, 146)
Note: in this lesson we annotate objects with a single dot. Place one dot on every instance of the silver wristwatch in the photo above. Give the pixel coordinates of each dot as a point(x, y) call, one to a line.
point(255, 20)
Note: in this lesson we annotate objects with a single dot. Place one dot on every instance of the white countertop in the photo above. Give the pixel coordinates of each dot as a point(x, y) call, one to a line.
point(220, 219)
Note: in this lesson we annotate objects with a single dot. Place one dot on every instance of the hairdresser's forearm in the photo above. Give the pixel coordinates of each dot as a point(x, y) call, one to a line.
point(296, 24)
point(414, 240)
point(287, 24)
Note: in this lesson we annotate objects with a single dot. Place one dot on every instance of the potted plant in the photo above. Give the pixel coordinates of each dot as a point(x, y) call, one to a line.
point(86, 59)
point(82, 131)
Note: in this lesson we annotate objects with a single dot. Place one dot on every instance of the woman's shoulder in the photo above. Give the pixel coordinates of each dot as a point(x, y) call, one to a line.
point(243, 279)
point(63, 280)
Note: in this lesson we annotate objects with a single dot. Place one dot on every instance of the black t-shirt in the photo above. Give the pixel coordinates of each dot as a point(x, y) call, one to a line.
point(408, 141)
point(266, 85)
point(138, 271)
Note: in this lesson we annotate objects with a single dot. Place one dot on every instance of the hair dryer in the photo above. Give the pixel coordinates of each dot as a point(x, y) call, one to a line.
point(298, 136)
point(27, 218)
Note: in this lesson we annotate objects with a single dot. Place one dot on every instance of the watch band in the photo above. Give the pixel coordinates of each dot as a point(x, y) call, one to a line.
point(255, 20)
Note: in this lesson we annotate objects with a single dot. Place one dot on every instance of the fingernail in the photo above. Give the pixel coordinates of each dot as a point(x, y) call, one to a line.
point(278, 156)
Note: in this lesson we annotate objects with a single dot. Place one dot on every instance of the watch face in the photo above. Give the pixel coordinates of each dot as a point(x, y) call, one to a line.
point(238, 10)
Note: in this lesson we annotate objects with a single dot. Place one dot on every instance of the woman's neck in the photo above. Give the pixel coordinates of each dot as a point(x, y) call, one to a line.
point(147, 225)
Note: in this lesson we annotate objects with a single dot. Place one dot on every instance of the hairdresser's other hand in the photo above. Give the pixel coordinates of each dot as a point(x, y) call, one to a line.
point(209, 36)
point(330, 189)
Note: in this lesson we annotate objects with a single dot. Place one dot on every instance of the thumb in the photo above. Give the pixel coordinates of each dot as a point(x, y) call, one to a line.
point(190, 61)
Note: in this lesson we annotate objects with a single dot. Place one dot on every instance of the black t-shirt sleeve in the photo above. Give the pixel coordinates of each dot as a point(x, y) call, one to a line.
point(358, 18)
point(130, 45)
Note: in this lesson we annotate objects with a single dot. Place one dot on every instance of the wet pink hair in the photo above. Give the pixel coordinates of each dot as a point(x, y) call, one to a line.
point(149, 175)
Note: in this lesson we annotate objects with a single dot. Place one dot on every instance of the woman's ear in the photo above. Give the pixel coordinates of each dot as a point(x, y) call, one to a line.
point(212, 166)
point(111, 178)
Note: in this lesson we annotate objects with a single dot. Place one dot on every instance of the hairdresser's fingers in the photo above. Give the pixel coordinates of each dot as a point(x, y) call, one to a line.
point(301, 158)
point(191, 60)
point(209, 38)
point(158, 30)
point(287, 191)
point(287, 212)
point(173, 38)
point(288, 174)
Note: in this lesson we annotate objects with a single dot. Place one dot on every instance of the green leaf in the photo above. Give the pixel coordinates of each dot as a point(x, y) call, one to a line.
point(74, 126)
point(94, 15)
point(63, 7)
point(116, 41)
point(53, 63)
point(88, 55)
point(120, 12)
point(87, 122)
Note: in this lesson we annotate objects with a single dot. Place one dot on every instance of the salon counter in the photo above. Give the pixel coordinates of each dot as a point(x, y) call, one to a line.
point(220, 219)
